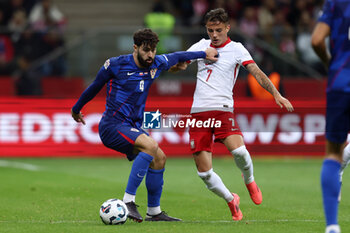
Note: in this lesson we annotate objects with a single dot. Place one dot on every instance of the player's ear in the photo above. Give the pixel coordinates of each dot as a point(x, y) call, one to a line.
point(228, 26)
point(135, 47)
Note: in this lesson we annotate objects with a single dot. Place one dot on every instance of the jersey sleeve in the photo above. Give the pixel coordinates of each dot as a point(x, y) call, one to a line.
point(102, 77)
point(173, 58)
point(195, 47)
point(163, 62)
point(326, 16)
point(243, 56)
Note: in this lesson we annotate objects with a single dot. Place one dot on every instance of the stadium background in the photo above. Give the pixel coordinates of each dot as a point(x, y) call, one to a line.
point(46, 64)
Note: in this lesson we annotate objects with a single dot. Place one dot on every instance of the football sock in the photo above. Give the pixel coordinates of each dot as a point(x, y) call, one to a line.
point(333, 229)
point(346, 160)
point(215, 184)
point(330, 190)
point(244, 163)
point(154, 184)
point(128, 198)
point(138, 171)
point(344, 164)
point(153, 210)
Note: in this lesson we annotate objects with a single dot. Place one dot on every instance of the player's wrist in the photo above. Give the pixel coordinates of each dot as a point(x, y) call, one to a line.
point(276, 95)
point(74, 111)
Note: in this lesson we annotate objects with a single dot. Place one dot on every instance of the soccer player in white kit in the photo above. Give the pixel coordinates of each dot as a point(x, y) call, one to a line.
point(213, 99)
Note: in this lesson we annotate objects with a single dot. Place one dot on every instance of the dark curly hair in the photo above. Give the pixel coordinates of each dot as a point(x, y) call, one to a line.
point(218, 14)
point(146, 37)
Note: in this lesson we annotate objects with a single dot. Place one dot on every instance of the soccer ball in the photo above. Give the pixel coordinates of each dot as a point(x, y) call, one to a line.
point(113, 212)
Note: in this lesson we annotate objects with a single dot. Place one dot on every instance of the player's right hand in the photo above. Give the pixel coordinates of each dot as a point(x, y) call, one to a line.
point(212, 54)
point(78, 117)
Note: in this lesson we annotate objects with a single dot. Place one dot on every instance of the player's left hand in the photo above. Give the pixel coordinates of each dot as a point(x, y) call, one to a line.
point(78, 117)
point(283, 102)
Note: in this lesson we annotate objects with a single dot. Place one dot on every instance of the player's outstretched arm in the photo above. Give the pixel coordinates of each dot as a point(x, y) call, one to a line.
point(266, 83)
point(183, 56)
point(211, 54)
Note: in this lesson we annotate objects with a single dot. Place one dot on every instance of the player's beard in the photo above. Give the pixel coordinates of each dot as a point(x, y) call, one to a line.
point(143, 62)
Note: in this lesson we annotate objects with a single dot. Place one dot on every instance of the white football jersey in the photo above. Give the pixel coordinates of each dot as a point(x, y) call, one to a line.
point(215, 81)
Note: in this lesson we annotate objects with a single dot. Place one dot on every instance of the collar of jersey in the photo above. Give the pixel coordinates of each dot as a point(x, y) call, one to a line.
point(223, 45)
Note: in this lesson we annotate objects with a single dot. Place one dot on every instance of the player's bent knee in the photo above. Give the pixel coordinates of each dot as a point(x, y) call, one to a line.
point(158, 160)
point(152, 146)
point(146, 144)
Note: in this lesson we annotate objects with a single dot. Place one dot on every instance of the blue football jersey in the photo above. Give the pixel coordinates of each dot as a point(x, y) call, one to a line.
point(128, 86)
point(336, 13)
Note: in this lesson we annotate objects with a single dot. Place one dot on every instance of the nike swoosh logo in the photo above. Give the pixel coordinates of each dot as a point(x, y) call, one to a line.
point(131, 73)
point(139, 175)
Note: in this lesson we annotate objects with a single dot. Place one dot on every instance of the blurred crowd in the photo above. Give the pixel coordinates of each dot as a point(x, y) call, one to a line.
point(284, 24)
point(30, 29)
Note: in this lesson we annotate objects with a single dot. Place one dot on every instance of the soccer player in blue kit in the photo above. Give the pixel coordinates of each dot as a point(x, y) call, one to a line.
point(335, 23)
point(128, 79)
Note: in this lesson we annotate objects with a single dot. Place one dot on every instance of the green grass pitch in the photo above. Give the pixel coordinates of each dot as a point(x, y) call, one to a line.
point(64, 195)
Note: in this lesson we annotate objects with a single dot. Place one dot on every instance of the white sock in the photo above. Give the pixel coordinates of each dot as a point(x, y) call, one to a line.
point(333, 228)
point(346, 160)
point(128, 198)
point(153, 210)
point(215, 184)
point(244, 163)
point(344, 164)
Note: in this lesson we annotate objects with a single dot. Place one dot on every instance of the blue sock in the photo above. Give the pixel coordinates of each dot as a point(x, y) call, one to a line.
point(330, 189)
point(138, 171)
point(154, 184)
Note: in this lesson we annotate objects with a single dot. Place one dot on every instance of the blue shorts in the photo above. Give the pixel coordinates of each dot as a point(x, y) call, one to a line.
point(337, 116)
point(119, 137)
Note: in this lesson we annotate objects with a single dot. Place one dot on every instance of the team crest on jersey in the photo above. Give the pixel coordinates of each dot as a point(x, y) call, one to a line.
point(106, 64)
point(153, 72)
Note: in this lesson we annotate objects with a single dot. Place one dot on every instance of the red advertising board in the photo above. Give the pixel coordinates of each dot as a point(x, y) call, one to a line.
point(44, 127)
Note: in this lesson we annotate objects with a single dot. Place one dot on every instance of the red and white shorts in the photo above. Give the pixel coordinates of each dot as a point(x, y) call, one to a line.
point(201, 138)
